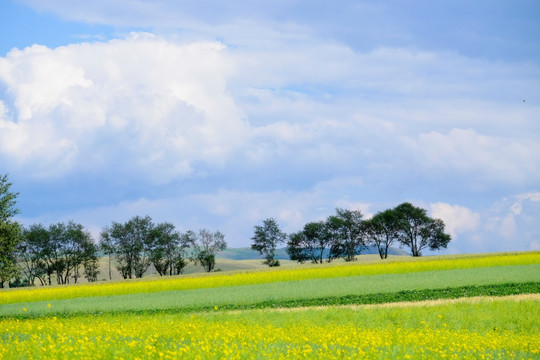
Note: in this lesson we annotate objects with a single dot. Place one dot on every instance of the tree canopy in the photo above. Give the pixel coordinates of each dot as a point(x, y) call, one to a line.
point(418, 231)
point(10, 231)
point(266, 239)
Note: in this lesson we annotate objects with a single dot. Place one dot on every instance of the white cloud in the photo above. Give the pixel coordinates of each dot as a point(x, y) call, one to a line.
point(141, 103)
point(458, 219)
point(288, 127)
point(510, 224)
point(488, 157)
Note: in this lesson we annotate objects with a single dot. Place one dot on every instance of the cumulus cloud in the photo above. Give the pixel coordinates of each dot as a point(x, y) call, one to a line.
point(510, 224)
point(138, 103)
point(458, 219)
point(288, 126)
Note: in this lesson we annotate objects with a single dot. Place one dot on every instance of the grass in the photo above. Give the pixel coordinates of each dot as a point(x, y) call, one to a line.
point(216, 280)
point(280, 293)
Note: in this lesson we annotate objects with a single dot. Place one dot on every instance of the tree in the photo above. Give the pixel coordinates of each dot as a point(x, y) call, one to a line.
point(348, 233)
point(33, 254)
point(114, 240)
point(29, 254)
point(10, 231)
point(10, 235)
point(382, 230)
point(169, 251)
point(311, 244)
point(57, 251)
point(131, 243)
point(107, 245)
point(418, 231)
point(73, 248)
point(140, 231)
point(266, 239)
point(205, 247)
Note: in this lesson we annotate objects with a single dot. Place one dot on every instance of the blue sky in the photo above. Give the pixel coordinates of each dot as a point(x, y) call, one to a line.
point(219, 116)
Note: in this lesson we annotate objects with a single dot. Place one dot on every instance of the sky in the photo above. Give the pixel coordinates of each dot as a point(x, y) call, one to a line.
point(218, 115)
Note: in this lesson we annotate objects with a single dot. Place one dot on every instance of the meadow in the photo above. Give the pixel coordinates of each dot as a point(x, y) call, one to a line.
point(444, 307)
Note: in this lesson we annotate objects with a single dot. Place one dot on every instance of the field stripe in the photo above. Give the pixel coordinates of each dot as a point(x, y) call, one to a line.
point(365, 299)
point(411, 265)
point(407, 304)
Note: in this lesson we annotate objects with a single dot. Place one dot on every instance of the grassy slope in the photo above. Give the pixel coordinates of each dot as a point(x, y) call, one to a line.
point(342, 290)
point(307, 272)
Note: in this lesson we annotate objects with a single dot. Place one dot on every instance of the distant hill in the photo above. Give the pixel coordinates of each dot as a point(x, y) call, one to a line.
point(281, 254)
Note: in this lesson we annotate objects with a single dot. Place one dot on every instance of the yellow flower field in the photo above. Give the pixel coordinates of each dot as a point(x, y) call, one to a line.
point(330, 333)
point(401, 265)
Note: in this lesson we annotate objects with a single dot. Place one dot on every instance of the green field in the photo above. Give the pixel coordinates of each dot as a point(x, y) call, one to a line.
point(313, 311)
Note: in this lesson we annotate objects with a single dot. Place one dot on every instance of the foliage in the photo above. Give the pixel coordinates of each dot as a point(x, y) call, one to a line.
point(341, 235)
point(206, 259)
point(9, 231)
point(8, 200)
point(205, 246)
point(346, 229)
point(418, 231)
point(169, 250)
point(30, 253)
point(312, 243)
point(58, 251)
point(131, 243)
point(382, 230)
point(10, 236)
point(266, 239)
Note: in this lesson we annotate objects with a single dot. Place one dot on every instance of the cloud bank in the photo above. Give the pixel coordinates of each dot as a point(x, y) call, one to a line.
point(231, 118)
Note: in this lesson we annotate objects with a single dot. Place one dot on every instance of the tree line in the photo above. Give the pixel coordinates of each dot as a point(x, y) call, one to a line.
point(139, 243)
point(66, 252)
point(346, 234)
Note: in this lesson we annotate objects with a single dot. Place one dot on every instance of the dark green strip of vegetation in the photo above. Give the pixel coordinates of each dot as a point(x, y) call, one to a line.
point(380, 298)
point(402, 296)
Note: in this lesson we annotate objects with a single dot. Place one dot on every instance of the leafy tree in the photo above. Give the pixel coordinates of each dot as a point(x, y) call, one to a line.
point(140, 231)
point(266, 239)
point(131, 243)
point(57, 251)
point(311, 244)
point(91, 267)
point(32, 253)
point(205, 247)
point(10, 231)
point(169, 250)
point(107, 245)
point(10, 235)
point(206, 259)
point(114, 240)
point(29, 254)
point(348, 233)
point(418, 231)
point(382, 230)
point(75, 247)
